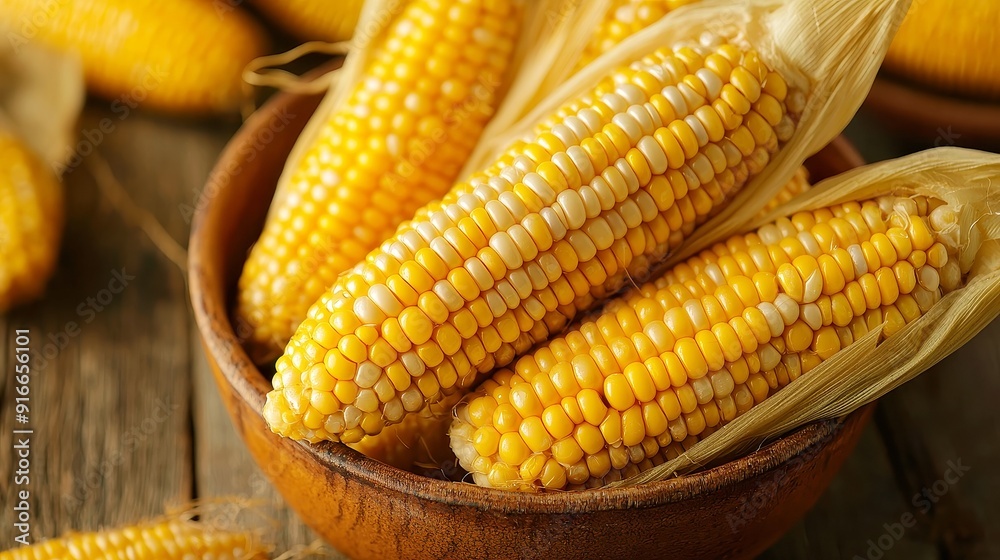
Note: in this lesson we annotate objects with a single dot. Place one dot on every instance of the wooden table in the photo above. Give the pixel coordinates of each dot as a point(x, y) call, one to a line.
point(127, 420)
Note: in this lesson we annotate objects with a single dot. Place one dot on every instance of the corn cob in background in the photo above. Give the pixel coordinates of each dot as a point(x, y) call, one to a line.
point(313, 20)
point(398, 142)
point(31, 222)
point(950, 48)
point(604, 187)
point(160, 540)
point(181, 56)
point(681, 356)
point(623, 19)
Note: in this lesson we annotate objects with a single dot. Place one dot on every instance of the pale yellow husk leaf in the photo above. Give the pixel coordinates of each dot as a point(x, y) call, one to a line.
point(863, 372)
point(41, 96)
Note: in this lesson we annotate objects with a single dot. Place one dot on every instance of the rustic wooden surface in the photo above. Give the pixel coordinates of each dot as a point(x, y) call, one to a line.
point(127, 420)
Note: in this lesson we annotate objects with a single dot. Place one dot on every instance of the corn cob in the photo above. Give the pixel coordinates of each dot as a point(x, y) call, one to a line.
point(179, 56)
point(162, 540)
point(623, 19)
point(314, 20)
point(950, 49)
point(681, 356)
point(31, 223)
point(399, 142)
point(607, 186)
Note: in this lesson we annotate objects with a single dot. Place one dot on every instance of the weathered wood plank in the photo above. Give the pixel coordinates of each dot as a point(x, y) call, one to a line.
point(941, 433)
point(111, 393)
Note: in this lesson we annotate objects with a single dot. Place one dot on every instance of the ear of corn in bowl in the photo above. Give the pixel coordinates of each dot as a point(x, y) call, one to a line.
point(648, 174)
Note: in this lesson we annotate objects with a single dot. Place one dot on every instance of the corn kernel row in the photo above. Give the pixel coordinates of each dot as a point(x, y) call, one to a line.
point(623, 19)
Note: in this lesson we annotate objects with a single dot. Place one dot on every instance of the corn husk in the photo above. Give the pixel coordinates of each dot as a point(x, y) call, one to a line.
point(41, 96)
point(375, 20)
point(830, 50)
point(865, 371)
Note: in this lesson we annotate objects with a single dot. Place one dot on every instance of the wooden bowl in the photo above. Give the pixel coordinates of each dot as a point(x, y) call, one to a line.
point(927, 117)
point(369, 510)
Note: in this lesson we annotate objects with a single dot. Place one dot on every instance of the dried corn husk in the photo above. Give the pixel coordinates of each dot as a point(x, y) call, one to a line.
point(864, 371)
point(41, 95)
point(828, 49)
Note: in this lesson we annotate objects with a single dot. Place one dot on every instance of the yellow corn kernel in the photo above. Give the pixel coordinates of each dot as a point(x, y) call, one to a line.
point(419, 440)
point(178, 56)
point(31, 223)
point(798, 185)
point(794, 319)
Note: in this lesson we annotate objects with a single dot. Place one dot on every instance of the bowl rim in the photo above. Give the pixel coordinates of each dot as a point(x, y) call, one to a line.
point(211, 305)
point(896, 97)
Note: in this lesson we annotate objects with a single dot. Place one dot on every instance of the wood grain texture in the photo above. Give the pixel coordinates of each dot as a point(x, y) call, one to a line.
point(96, 403)
point(111, 409)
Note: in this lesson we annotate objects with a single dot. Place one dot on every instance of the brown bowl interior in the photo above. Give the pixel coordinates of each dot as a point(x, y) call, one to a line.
point(370, 510)
point(935, 118)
